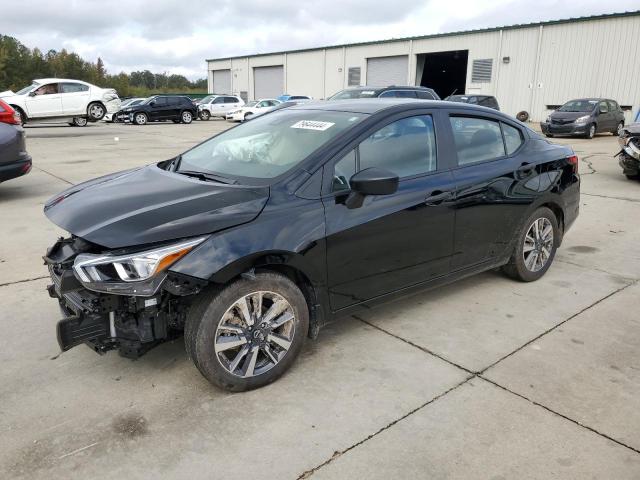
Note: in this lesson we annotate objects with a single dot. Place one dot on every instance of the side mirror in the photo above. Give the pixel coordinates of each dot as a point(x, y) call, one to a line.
point(32, 94)
point(153, 104)
point(371, 181)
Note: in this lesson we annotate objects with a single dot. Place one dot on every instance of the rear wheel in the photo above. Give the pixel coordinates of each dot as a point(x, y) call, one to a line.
point(550, 135)
point(536, 247)
point(186, 117)
point(96, 111)
point(140, 118)
point(633, 177)
point(249, 333)
point(79, 122)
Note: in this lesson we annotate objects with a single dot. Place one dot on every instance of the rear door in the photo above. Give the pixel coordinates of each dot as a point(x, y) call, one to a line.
point(159, 109)
point(489, 204)
point(75, 98)
point(45, 103)
point(391, 241)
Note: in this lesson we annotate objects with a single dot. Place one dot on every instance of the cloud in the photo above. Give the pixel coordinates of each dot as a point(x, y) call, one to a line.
point(177, 36)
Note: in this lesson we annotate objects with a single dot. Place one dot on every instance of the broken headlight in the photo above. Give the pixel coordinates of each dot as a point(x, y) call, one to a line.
point(138, 274)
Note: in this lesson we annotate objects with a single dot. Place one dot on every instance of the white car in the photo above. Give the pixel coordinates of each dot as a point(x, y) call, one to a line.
point(129, 102)
point(58, 98)
point(253, 109)
point(218, 106)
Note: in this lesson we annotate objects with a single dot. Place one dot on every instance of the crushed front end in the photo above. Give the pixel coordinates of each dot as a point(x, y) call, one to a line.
point(114, 300)
point(629, 140)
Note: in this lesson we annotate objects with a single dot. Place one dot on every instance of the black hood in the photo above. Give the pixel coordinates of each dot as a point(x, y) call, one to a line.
point(557, 115)
point(149, 205)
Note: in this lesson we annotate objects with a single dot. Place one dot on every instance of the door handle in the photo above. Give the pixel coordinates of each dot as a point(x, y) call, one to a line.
point(437, 197)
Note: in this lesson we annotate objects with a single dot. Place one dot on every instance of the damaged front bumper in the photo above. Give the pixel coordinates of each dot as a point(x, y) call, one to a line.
point(629, 140)
point(130, 324)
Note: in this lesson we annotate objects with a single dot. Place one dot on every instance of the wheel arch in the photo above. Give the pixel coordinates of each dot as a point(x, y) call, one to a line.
point(18, 108)
point(559, 213)
point(100, 102)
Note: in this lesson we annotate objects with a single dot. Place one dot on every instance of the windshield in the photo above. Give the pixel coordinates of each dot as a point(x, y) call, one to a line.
point(27, 89)
point(268, 146)
point(353, 93)
point(207, 99)
point(149, 100)
point(458, 98)
point(578, 106)
point(252, 103)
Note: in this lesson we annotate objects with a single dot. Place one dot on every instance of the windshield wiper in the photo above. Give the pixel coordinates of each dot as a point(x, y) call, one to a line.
point(207, 177)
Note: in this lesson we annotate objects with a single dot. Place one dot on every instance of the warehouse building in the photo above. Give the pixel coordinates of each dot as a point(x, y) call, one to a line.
point(533, 68)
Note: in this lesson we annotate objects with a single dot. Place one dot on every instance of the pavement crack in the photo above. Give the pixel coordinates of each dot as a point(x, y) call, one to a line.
point(339, 453)
point(626, 199)
point(575, 422)
point(23, 281)
point(52, 174)
point(586, 160)
point(616, 275)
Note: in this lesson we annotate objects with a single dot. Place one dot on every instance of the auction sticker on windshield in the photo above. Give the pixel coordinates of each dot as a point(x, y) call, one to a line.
point(313, 125)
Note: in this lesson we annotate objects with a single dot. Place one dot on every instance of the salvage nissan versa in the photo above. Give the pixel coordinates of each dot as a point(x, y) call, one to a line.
point(254, 239)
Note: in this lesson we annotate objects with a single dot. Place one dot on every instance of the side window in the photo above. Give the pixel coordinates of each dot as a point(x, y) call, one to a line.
point(230, 100)
point(387, 94)
point(424, 95)
point(344, 169)
point(512, 138)
point(406, 94)
point(218, 100)
point(613, 106)
point(161, 101)
point(473, 100)
point(49, 89)
point(476, 139)
point(603, 107)
point(406, 147)
point(73, 87)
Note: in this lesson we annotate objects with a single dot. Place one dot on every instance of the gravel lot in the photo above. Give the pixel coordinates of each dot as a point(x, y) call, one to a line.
point(487, 378)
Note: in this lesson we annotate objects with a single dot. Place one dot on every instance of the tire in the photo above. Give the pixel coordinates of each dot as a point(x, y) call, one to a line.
point(23, 116)
point(633, 177)
point(215, 316)
point(550, 135)
point(175, 121)
point(79, 122)
point(591, 132)
point(186, 117)
point(96, 111)
point(619, 127)
point(247, 116)
point(205, 115)
point(140, 118)
point(520, 263)
point(523, 116)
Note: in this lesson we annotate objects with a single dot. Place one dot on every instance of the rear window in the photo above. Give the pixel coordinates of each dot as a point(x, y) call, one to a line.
point(477, 139)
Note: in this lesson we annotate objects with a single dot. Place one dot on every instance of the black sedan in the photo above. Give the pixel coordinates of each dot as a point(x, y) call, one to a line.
point(585, 117)
point(257, 237)
point(14, 159)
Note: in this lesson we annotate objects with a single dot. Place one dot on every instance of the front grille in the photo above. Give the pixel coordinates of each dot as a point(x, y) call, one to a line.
point(561, 122)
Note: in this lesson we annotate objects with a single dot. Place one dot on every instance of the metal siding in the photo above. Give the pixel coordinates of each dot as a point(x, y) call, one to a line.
point(385, 71)
point(305, 74)
point(222, 81)
point(268, 81)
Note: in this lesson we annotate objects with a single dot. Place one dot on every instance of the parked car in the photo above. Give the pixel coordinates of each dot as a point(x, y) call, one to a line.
point(218, 106)
point(393, 91)
point(585, 117)
point(629, 140)
point(129, 102)
point(286, 97)
point(255, 238)
point(14, 159)
point(8, 114)
point(481, 100)
point(157, 108)
point(58, 98)
point(252, 109)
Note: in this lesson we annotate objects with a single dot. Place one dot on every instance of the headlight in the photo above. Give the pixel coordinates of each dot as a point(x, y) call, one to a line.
point(138, 274)
point(549, 119)
point(584, 119)
point(234, 112)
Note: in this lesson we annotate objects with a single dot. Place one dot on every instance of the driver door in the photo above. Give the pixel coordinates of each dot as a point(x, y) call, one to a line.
point(391, 241)
point(45, 101)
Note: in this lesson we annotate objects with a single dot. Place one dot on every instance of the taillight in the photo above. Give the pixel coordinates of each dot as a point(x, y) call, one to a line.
point(573, 160)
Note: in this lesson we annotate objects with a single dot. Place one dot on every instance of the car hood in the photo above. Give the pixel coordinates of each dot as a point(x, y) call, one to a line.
point(7, 93)
point(149, 205)
point(568, 115)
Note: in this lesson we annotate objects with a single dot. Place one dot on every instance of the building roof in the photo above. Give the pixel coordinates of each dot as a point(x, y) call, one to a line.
point(447, 34)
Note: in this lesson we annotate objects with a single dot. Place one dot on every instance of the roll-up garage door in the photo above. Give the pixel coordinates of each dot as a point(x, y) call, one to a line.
point(384, 71)
point(268, 82)
point(222, 81)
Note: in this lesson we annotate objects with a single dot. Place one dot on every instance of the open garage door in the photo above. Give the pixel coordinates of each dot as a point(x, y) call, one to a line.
point(445, 72)
point(384, 71)
point(268, 82)
point(222, 81)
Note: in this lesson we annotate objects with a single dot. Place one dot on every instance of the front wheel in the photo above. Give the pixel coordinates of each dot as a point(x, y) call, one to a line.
point(618, 128)
point(96, 111)
point(536, 247)
point(140, 118)
point(205, 115)
point(591, 132)
point(249, 333)
point(247, 116)
point(186, 117)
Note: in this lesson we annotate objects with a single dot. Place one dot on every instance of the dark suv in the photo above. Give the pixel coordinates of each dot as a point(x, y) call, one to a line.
point(252, 240)
point(585, 117)
point(160, 107)
point(482, 100)
point(393, 91)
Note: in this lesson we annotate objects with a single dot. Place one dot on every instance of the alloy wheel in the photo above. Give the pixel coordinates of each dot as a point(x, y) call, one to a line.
point(592, 131)
point(141, 118)
point(96, 111)
point(255, 334)
point(187, 117)
point(538, 244)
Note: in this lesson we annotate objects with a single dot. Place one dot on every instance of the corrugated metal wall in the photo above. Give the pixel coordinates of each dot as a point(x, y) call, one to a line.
point(547, 65)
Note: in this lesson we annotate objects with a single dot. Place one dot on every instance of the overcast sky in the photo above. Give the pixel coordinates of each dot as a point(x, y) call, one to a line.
point(177, 36)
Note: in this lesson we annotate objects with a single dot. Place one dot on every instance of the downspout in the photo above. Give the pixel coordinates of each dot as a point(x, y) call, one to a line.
point(495, 91)
point(411, 79)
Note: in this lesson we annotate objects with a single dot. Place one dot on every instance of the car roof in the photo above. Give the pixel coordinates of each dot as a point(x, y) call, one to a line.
point(374, 105)
point(51, 80)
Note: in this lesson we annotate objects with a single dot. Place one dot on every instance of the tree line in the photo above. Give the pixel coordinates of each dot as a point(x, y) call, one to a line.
point(19, 65)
